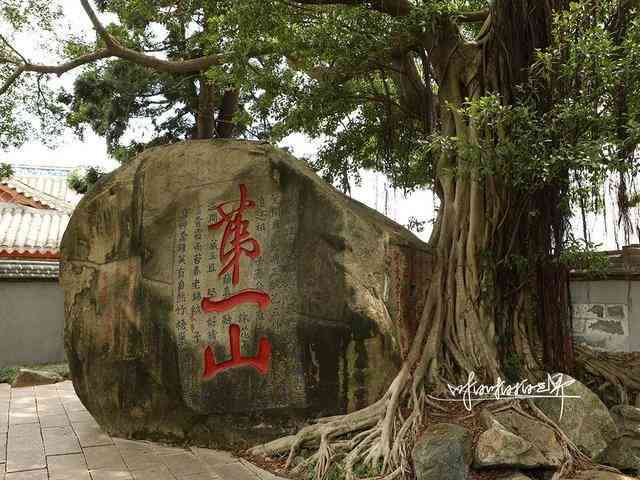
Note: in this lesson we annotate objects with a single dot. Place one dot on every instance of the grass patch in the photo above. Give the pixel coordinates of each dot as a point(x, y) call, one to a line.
point(8, 374)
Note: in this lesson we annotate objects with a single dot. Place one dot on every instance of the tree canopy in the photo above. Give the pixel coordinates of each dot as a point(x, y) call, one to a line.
point(348, 72)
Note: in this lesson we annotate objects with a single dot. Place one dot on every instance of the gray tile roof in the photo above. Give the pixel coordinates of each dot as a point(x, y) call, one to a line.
point(29, 269)
point(25, 229)
point(28, 186)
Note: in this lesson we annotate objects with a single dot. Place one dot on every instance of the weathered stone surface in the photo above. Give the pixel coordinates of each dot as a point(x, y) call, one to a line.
point(585, 420)
point(535, 432)
point(29, 378)
point(497, 447)
point(444, 450)
point(148, 259)
point(622, 453)
point(627, 418)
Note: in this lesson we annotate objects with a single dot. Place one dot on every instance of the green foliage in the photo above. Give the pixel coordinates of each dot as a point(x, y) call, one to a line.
point(328, 72)
point(6, 171)
point(82, 182)
point(8, 374)
point(586, 257)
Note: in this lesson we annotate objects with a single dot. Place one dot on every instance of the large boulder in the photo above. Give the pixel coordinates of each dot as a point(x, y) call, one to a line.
point(584, 418)
point(218, 292)
point(539, 434)
point(444, 450)
point(497, 447)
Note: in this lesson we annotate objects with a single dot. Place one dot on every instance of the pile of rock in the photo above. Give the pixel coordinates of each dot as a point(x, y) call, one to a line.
point(28, 378)
point(513, 441)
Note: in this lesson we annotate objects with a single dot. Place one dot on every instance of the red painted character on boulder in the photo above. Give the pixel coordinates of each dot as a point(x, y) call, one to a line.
point(236, 241)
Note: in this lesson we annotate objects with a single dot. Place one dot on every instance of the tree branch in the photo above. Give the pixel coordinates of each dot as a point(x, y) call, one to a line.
point(10, 81)
point(118, 50)
point(478, 16)
point(12, 48)
point(70, 65)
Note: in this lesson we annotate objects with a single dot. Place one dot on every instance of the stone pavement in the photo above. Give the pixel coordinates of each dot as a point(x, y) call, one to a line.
point(46, 433)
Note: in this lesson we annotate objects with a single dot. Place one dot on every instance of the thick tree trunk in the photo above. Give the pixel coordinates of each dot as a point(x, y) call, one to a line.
point(225, 126)
point(205, 119)
point(496, 304)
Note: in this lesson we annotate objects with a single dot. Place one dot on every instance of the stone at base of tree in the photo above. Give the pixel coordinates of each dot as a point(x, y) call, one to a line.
point(599, 475)
point(622, 453)
point(627, 418)
point(444, 450)
point(497, 447)
point(28, 378)
point(585, 419)
point(539, 434)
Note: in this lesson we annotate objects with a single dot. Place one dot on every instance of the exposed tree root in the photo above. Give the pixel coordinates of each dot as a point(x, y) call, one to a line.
point(614, 375)
point(380, 436)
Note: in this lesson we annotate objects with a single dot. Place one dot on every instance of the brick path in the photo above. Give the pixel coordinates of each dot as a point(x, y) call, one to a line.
point(46, 433)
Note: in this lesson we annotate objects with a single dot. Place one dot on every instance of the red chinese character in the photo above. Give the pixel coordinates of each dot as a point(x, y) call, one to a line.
point(260, 298)
point(235, 239)
point(260, 361)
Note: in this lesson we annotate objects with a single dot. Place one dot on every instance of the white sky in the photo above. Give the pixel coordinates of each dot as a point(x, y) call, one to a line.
point(373, 191)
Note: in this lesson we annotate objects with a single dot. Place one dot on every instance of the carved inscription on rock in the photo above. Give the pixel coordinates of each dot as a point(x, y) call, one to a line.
point(231, 317)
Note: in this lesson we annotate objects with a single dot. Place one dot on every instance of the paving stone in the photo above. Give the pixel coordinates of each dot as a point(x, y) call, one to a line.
point(31, 475)
point(60, 420)
point(68, 467)
point(20, 417)
point(22, 392)
point(67, 398)
point(126, 445)
point(60, 441)
point(3, 447)
point(104, 457)
point(74, 405)
point(183, 464)
point(27, 429)
point(139, 460)
point(25, 459)
point(214, 457)
point(24, 448)
point(233, 471)
point(51, 409)
point(110, 475)
point(53, 401)
point(78, 416)
point(159, 472)
point(67, 384)
point(162, 449)
point(90, 434)
point(48, 397)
